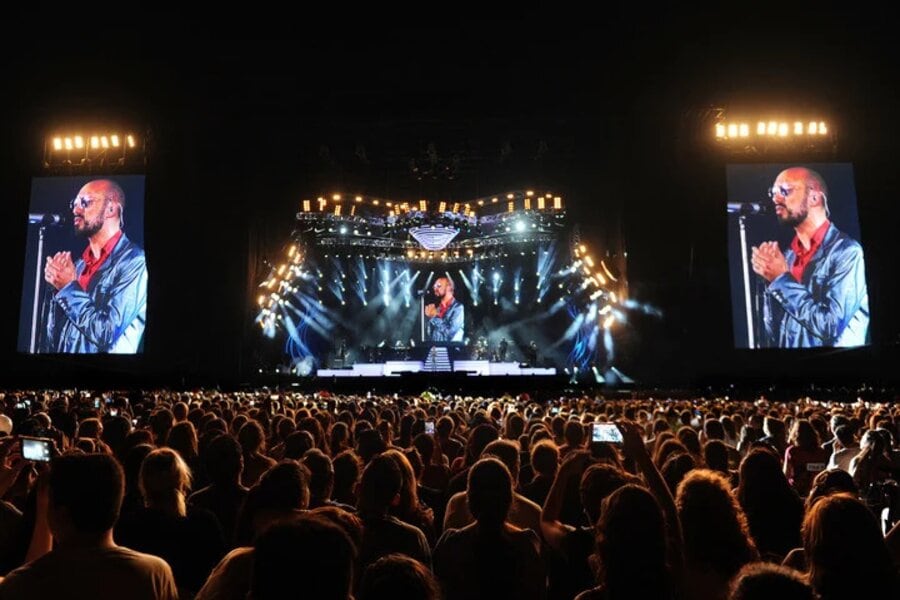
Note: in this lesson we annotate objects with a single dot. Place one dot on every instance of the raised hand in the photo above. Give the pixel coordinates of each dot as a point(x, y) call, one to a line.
point(768, 261)
point(59, 270)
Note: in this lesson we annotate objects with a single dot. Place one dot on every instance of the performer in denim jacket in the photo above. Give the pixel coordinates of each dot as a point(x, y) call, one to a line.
point(100, 303)
point(816, 293)
point(445, 319)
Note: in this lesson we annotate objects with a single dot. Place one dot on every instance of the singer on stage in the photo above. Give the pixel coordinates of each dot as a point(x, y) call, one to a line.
point(99, 302)
point(445, 318)
point(816, 293)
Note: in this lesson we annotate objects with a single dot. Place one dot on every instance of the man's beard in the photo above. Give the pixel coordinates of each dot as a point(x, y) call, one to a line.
point(88, 228)
point(793, 219)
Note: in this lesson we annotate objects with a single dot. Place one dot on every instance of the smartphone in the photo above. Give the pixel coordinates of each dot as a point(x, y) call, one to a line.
point(114, 412)
point(606, 432)
point(554, 410)
point(96, 402)
point(429, 427)
point(37, 449)
point(134, 422)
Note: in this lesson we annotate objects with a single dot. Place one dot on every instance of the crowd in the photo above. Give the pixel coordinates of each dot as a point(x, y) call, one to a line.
point(215, 495)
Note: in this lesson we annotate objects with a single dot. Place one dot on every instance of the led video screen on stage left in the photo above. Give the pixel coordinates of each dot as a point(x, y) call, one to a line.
point(796, 259)
point(84, 281)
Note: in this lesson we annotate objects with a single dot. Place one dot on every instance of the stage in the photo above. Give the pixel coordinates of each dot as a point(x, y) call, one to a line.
point(473, 368)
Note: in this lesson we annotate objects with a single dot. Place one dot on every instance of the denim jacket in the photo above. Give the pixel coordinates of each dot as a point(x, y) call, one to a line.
point(829, 307)
point(450, 327)
point(108, 317)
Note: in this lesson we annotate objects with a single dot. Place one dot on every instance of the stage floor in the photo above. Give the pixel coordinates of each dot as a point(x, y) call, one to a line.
point(470, 367)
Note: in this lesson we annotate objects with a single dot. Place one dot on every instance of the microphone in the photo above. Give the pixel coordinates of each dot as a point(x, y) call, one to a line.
point(750, 208)
point(51, 219)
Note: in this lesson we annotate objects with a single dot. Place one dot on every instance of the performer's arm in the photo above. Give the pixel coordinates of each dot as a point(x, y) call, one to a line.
point(826, 316)
point(452, 322)
point(103, 322)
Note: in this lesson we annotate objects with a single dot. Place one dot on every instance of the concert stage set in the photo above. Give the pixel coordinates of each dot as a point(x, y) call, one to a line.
point(494, 286)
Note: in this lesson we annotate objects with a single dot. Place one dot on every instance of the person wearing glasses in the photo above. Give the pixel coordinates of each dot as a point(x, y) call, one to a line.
point(446, 317)
point(816, 294)
point(99, 302)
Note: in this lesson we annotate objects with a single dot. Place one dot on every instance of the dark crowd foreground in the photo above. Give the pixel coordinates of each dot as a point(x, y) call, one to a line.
point(259, 495)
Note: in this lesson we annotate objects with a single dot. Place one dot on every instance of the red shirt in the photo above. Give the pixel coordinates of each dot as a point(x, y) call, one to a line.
point(442, 309)
point(802, 256)
point(91, 264)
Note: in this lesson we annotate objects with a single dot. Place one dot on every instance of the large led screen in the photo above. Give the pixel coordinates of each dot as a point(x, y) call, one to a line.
point(797, 266)
point(84, 286)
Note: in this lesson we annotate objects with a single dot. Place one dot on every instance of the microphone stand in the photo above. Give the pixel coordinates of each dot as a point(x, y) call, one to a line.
point(422, 312)
point(742, 222)
point(37, 289)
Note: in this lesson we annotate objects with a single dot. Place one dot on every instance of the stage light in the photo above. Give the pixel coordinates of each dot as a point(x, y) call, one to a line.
point(261, 300)
point(423, 205)
point(720, 130)
point(822, 129)
point(104, 142)
point(607, 323)
point(68, 143)
point(114, 140)
point(761, 128)
point(337, 213)
point(442, 207)
point(782, 129)
point(57, 143)
point(732, 130)
point(493, 200)
point(130, 141)
point(520, 226)
point(744, 130)
point(772, 128)
point(511, 206)
point(557, 203)
point(95, 142)
point(798, 128)
point(291, 250)
point(79, 142)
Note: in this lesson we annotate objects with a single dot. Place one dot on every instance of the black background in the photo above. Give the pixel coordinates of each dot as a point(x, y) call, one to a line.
point(249, 114)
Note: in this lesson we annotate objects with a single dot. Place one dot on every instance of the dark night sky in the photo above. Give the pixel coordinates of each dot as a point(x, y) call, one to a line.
point(246, 121)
